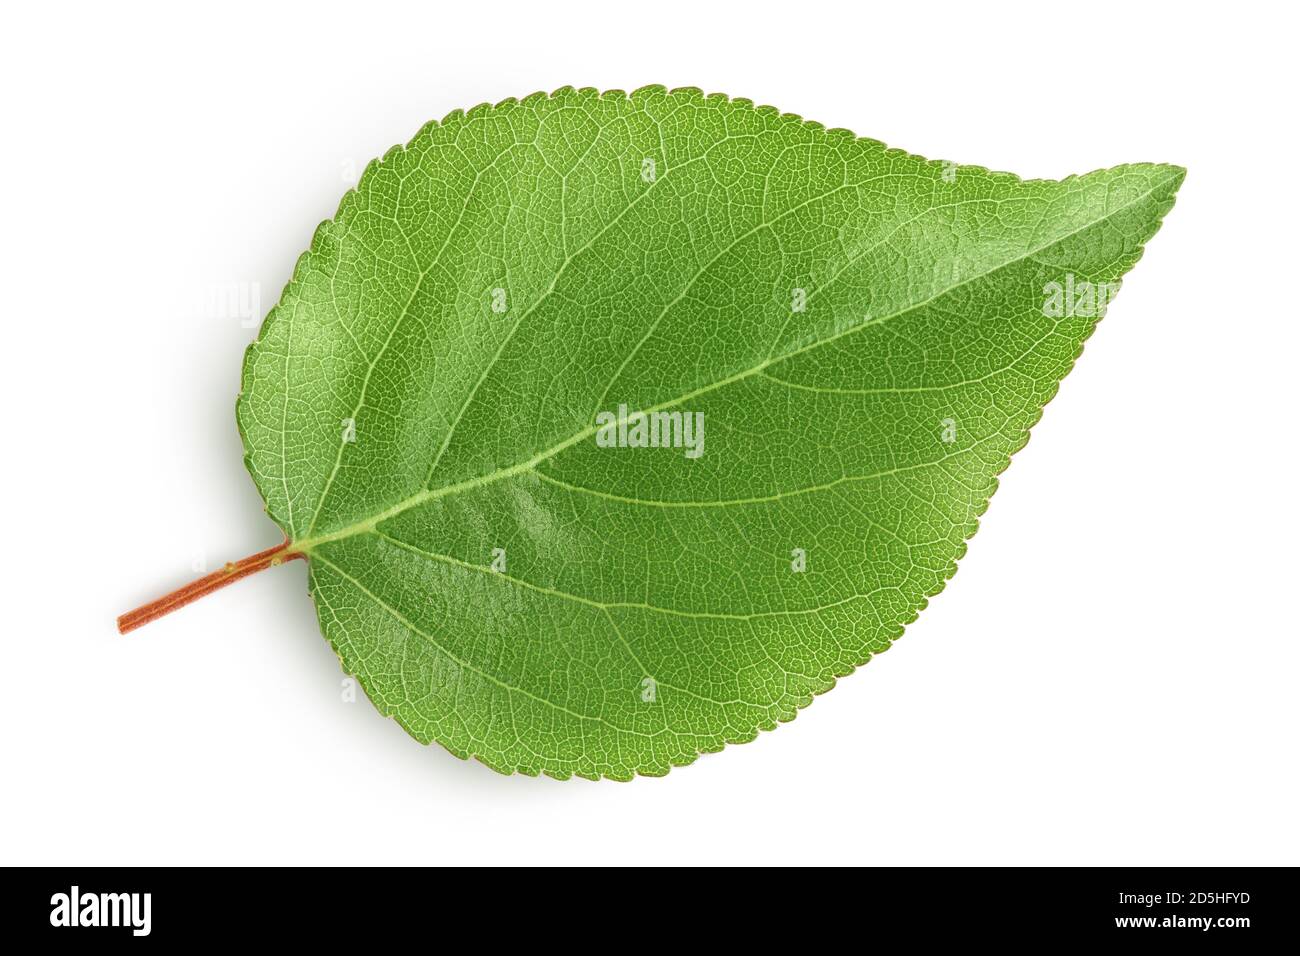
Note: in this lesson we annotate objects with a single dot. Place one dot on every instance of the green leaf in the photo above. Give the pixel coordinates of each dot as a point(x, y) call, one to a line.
point(868, 336)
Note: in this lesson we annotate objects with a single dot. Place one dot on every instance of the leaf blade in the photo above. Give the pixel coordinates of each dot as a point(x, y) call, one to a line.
point(624, 568)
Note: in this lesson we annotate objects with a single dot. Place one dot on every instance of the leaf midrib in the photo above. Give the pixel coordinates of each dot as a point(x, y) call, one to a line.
point(369, 524)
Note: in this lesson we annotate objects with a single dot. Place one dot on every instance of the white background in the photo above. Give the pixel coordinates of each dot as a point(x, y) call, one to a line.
point(1110, 679)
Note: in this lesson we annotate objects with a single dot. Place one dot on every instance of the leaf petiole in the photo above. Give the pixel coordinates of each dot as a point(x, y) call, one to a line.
point(215, 581)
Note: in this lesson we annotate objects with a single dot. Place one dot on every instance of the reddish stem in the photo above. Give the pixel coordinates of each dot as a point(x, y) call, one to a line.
point(206, 585)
